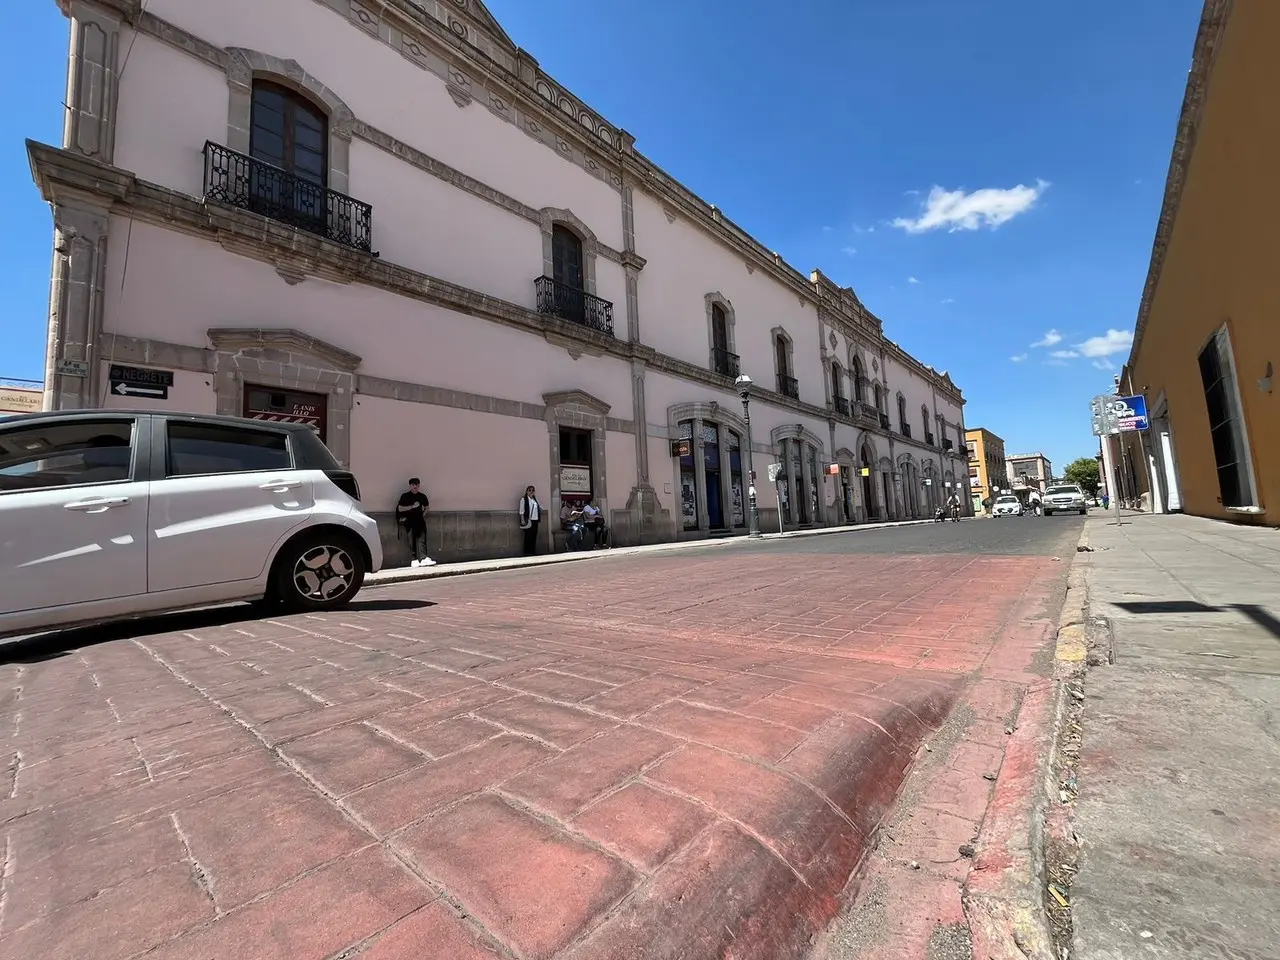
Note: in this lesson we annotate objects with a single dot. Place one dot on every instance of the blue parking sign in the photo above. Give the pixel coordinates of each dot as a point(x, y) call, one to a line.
point(1130, 413)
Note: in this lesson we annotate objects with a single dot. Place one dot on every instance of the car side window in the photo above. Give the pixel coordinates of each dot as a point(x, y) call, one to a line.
point(66, 453)
point(203, 449)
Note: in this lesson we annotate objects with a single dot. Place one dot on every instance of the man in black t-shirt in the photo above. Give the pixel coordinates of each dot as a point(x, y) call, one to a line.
point(411, 511)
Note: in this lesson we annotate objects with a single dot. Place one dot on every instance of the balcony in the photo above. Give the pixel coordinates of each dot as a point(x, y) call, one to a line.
point(577, 306)
point(906, 430)
point(947, 444)
point(788, 386)
point(964, 451)
point(884, 421)
point(928, 438)
point(725, 363)
point(841, 405)
point(241, 181)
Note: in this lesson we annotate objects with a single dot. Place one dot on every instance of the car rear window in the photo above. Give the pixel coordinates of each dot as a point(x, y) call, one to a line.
point(1007, 500)
point(200, 449)
point(1053, 490)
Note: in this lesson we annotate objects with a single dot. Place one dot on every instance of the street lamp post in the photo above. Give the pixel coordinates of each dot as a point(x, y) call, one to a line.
point(744, 384)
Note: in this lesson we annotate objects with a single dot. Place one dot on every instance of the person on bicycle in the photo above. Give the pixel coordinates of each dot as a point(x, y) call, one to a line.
point(953, 507)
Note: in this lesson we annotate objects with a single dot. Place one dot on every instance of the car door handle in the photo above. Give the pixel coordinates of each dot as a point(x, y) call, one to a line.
point(281, 486)
point(98, 505)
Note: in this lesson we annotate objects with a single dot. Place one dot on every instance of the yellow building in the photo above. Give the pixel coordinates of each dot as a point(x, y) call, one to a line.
point(1207, 338)
point(986, 465)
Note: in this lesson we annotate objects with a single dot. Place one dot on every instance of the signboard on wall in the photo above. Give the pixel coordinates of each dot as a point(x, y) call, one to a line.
point(575, 479)
point(20, 400)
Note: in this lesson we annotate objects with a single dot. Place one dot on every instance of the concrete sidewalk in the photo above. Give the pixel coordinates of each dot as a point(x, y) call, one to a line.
point(401, 574)
point(1178, 811)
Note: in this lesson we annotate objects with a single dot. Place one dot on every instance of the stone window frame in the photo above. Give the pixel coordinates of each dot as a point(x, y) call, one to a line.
point(548, 219)
point(858, 375)
point(780, 333)
point(581, 410)
point(924, 422)
point(902, 410)
point(718, 299)
point(836, 375)
point(286, 359)
point(879, 395)
point(245, 66)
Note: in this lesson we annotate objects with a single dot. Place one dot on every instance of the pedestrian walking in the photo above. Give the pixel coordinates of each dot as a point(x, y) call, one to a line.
point(530, 516)
point(412, 514)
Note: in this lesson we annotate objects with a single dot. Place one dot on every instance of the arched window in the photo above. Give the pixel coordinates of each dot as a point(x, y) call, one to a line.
point(290, 132)
point(879, 399)
point(837, 381)
point(902, 413)
point(924, 423)
point(566, 257)
point(780, 351)
point(859, 381)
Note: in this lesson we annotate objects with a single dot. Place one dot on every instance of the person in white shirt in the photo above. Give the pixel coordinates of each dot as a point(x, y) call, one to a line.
point(530, 516)
point(595, 520)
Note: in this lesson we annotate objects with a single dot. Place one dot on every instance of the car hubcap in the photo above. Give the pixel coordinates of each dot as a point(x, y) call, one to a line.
point(323, 573)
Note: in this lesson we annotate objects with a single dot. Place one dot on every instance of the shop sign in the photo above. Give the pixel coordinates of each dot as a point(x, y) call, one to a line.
point(575, 479)
point(20, 400)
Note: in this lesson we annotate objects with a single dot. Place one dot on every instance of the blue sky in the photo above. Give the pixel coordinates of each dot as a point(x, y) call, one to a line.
point(986, 174)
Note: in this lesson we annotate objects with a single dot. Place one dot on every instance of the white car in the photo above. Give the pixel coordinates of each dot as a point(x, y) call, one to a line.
point(1007, 506)
point(109, 513)
point(1065, 498)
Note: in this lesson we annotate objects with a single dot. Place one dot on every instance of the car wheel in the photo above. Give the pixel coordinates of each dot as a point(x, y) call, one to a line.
point(1048, 513)
point(318, 571)
point(1084, 511)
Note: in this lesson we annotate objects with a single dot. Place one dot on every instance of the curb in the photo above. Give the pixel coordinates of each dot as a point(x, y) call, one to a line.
point(397, 575)
point(1005, 890)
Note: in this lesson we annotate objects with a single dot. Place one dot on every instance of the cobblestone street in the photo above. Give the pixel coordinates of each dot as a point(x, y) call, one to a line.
point(649, 756)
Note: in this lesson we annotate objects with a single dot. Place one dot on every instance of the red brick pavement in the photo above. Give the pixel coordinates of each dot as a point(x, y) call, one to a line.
point(677, 756)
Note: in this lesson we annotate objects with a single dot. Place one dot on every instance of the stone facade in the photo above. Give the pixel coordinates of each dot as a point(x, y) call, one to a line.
point(437, 349)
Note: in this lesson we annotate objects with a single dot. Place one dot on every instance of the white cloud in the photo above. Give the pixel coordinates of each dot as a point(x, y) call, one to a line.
point(954, 210)
point(1055, 363)
point(1103, 365)
point(911, 193)
point(948, 300)
point(1113, 341)
point(858, 229)
point(1050, 339)
point(1019, 358)
point(848, 251)
point(912, 280)
point(1064, 354)
point(826, 229)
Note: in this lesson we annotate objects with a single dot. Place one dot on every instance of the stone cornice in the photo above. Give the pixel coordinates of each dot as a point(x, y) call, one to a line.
point(1213, 24)
point(246, 338)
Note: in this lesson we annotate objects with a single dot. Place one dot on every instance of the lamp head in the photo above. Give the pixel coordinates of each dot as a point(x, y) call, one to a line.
point(744, 385)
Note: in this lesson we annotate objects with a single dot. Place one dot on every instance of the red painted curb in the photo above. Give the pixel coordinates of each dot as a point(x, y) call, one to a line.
point(729, 895)
point(1003, 894)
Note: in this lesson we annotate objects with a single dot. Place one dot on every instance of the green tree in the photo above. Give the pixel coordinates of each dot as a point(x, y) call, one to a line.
point(1084, 472)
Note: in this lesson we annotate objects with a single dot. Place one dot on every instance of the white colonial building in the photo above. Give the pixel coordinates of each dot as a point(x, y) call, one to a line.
point(386, 219)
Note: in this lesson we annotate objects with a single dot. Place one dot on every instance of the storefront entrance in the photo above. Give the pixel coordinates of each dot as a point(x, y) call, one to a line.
point(286, 406)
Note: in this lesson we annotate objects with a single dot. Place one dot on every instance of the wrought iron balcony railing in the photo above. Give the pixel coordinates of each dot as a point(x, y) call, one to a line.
point(947, 444)
point(725, 363)
point(928, 438)
point(906, 430)
point(239, 180)
point(884, 421)
point(577, 306)
point(842, 406)
point(965, 451)
point(788, 386)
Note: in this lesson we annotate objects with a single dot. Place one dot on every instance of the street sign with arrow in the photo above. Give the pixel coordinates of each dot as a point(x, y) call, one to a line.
point(140, 382)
